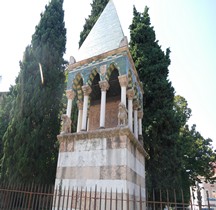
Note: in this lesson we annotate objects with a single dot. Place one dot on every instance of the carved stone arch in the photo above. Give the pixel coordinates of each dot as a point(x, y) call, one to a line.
point(77, 86)
point(113, 66)
point(94, 72)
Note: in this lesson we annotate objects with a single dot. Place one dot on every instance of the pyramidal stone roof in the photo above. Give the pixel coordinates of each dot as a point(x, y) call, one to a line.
point(106, 34)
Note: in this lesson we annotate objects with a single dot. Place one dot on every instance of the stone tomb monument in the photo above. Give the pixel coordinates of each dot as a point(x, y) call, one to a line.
point(107, 149)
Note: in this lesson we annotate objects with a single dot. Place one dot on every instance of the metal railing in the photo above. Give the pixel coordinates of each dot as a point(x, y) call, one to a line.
point(38, 197)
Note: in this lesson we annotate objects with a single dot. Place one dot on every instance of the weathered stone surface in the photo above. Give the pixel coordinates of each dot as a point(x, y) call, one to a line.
point(111, 115)
point(105, 133)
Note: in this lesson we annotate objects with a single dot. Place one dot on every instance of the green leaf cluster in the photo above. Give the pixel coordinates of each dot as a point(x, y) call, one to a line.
point(178, 155)
point(30, 143)
point(159, 126)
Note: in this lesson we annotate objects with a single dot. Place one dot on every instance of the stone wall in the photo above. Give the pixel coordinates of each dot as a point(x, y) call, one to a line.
point(109, 158)
point(111, 117)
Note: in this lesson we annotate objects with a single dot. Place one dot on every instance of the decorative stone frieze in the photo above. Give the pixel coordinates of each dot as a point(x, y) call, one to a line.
point(105, 133)
point(70, 94)
point(104, 85)
point(86, 90)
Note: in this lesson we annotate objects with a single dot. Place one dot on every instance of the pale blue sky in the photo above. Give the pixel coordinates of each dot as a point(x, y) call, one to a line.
point(186, 26)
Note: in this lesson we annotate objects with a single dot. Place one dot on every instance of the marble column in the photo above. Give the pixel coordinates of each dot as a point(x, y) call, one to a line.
point(135, 107)
point(86, 90)
point(104, 85)
point(123, 80)
point(130, 95)
point(70, 96)
point(80, 114)
point(140, 117)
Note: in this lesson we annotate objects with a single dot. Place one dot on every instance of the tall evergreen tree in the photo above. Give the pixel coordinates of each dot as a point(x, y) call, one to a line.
point(160, 129)
point(97, 8)
point(30, 144)
point(196, 153)
point(6, 113)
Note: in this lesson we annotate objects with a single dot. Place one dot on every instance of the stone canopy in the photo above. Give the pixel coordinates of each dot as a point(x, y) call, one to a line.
point(104, 58)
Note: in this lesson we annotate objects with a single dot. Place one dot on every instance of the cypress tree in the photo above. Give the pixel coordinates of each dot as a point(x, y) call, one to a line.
point(30, 144)
point(97, 8)
point(160, 128)
point(6, 113)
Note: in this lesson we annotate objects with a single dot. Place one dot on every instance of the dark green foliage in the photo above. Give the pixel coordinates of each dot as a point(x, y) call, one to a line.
point(30, 143)
point(198, 156)
point(159, 124)
point(196, 152)
point(178, 155)
point(6, 113)
point(97, 8)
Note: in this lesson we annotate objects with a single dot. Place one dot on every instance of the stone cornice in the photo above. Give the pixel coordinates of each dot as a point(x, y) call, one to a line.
point(104, 133)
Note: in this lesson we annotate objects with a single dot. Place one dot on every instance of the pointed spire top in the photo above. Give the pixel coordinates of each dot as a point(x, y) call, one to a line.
point(106, 34)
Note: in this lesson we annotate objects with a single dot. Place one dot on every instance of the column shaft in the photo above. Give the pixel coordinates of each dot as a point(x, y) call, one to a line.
point(70, 96)
point(85, 109)
point(69, 107)
point(135, 124)
point(103, 109)
point(123, 80)
point(140, 126)
point(104, 85)
point(79, 122)
point(130, 114)
point(130, 95)
point(123, 95)
point(86, 90)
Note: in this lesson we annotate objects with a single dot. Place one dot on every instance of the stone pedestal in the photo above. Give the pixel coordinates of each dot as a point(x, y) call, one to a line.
point(111, 159)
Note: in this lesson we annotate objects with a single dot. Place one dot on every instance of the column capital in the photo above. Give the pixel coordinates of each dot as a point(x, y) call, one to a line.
point(140, 114)
point(123, 80)
point(136, 105)
point(104, 85)
point(130, 94)
point(70, 94)
point(86, 90)
point(80, 104)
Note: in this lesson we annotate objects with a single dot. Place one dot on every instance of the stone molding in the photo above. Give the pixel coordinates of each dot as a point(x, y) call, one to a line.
point(80, 104)
point(104, 133)
point(130, 94)
point(70, 94)
point(123, 80)
point(86, 90)
point(104, 85)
